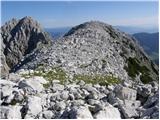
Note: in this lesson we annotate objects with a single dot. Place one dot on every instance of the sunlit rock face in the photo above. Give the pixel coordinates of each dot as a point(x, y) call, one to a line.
point(21, 37)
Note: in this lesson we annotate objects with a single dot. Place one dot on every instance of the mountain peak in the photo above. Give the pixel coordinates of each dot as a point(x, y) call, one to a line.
point(96, 47)
point(91, 25)
point(21, 37)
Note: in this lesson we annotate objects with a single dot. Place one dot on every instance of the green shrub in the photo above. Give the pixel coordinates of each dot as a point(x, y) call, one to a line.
point(145, 78)
point(134, 68)
point(97, 79)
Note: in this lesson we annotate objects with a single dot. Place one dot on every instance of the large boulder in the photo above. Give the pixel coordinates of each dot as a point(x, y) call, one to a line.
point(4, 67)
point(80, 112)
point(7, 87)
point(150, 108)
point(32, 107)
point(152, 101)
point(32, 85)
point(107, 113)
point(57, 87)
point(129, 112)
point(47, 114)
point(125, 93)
point(10, 112)
point(144, 90)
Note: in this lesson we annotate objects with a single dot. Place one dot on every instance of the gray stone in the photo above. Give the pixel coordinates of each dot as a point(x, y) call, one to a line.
point(81, 83)
point(77, 96)
point(47, 114)
point(93, 102)
point(152, 101)
point(10, 112)
point(55, 97)
point(129, 112)
point(71, 97)
point(125, 93)
point(80, 112)
point(60, 105)
point(89, 88)
point(57, 87)
point(108, 112)
point(6, 90)
point(32, 107)
point(93, 95)
point(129, 108)
point(32, 85)
point(150, 113)
point(144, 90)
point(78, 102)
point(110, 87)
point(132, 103)
point(85, 93)
point(64, 95)
point(113, 100)
point(14, 77)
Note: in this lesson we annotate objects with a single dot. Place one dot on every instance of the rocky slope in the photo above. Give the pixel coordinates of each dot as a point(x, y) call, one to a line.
point(19, 38)
point(94, 71)
point(97, 48)
point(30, 98)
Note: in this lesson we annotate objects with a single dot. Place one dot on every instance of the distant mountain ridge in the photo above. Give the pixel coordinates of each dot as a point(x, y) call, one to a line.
point(60, 31)
point(150, 43)
point(57, 32)
point(133, 30)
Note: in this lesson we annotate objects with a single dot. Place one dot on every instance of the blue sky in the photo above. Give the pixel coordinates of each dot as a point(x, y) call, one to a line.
point(62, 14)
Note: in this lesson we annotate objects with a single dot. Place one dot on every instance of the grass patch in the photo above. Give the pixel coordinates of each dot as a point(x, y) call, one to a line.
point(98, 79)
point(53, 74)
point(145, 78)
point(46, 85)
point(134, 68)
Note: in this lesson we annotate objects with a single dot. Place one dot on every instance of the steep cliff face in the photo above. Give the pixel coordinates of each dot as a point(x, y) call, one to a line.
point(21, 37)
point(97, 48)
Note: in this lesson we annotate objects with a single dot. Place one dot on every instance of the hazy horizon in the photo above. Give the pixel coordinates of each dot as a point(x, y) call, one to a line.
point(53, 14)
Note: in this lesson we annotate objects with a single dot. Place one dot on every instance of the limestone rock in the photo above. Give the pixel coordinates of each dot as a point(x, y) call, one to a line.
point(144, 90)
point(10, 112)
point(32, 85)
point(80, 113)
point(47, 114)
point(125, 93)
point(32, 107)
point(108, 112)
point(129, 112)
point(21, 37)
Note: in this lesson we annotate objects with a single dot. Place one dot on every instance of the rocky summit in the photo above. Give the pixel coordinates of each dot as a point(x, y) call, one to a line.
point(19, 38)
point(94, 71)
